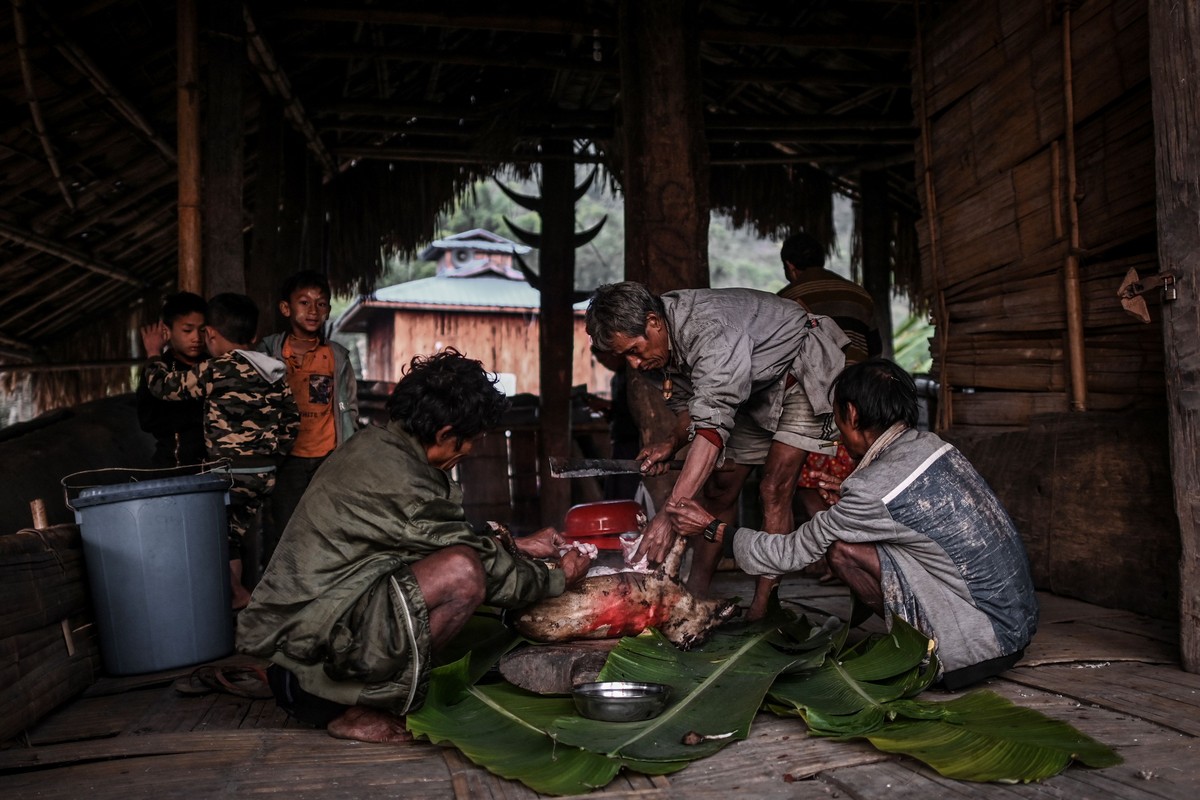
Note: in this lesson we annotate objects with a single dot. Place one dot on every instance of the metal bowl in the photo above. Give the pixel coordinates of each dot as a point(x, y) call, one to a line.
point(621, 701)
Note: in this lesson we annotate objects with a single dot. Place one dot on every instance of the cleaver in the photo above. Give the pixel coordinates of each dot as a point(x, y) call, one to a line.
point(596, 467)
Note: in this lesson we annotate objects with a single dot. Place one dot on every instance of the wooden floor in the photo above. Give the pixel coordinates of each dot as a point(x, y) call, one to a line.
point(1110, 673)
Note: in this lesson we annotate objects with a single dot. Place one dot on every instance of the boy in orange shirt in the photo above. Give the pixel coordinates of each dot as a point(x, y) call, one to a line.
point(323, 384)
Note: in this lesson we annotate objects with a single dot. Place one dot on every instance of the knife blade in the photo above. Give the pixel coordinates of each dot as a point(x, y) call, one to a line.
point(598, 467)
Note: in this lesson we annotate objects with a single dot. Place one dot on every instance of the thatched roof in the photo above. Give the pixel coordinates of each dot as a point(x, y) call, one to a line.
point(398, 112)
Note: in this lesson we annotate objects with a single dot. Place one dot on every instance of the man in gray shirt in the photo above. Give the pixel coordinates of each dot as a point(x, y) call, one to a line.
point(747, 374)
point(917, 532)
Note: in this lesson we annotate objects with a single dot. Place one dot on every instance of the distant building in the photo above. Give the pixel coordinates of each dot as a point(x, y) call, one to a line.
point(478, 303)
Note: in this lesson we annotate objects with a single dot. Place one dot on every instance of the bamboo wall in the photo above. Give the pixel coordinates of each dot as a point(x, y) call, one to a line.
point(1090, 492)
point(994, 104)
point(506, 342)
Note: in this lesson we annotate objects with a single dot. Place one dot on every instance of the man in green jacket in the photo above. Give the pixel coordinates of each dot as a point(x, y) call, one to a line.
point(378, 567)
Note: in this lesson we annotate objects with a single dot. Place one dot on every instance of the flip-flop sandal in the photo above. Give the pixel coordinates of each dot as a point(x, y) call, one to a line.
point(242, 681)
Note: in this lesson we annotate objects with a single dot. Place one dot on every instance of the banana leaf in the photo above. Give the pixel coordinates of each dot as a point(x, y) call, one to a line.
point(545, 744)
point(716, 691)
point(503, 729)
point(984, 737)
point(977, 737)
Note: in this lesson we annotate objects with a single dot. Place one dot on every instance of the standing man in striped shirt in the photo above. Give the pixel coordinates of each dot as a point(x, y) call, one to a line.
point(823, 291)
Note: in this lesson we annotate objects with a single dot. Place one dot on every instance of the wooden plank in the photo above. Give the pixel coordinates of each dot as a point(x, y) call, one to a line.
point(1076, 642)
point(1121, 687)
point(1174, 37)
point(474, 783)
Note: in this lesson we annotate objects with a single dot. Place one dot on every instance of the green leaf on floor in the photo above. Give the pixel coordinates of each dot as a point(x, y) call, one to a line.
point(977, 737)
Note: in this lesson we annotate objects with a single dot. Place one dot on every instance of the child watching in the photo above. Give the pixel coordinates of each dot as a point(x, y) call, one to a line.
point(250, 417)
point(178, 428)
point(323, 384)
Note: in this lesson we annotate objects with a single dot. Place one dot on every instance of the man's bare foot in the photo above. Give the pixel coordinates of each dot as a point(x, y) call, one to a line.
point(364, 724)
point(757, 611)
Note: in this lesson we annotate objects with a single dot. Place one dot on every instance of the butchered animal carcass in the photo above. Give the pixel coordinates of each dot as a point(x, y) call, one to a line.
point(625, 604)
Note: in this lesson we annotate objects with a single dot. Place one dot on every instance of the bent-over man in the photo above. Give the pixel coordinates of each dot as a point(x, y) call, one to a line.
point(747, 374)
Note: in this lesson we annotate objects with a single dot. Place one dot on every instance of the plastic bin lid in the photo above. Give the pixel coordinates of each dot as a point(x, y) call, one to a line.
point(158, 487)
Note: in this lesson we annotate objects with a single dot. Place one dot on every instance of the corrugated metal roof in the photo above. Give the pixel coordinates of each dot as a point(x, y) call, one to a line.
point(478, 290)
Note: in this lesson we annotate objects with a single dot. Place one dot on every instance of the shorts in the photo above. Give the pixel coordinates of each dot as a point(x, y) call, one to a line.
point(798, 427)
point(245, 499)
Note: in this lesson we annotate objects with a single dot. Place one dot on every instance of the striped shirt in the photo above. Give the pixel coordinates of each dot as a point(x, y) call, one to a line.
point(851, 307)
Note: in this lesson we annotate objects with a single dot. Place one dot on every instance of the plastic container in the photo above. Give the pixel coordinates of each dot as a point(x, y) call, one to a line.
point(157, 558)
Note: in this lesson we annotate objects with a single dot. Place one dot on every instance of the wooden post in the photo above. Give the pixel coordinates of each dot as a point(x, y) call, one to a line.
point(224, 247)
point(666, 156)
point(261, 272)
point(1174, 74)
point(1071, 288)
point(556, 327)
point(191, 277)
point(877, 249)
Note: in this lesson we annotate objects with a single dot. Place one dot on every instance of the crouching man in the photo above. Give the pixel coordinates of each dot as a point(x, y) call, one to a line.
point(917, 533)
point(378, 568)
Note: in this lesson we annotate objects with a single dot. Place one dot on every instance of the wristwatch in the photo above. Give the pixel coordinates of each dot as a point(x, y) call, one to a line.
point(710, 530)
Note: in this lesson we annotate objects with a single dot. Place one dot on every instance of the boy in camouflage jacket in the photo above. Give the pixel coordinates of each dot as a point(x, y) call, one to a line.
point(250, 416)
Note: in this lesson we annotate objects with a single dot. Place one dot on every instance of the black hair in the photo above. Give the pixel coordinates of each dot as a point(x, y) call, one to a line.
point(881, 390)
point(620, 308)
point(181, 304)
point(234, 316)
point(802, 252)
point(446, 388)
point(305, 279)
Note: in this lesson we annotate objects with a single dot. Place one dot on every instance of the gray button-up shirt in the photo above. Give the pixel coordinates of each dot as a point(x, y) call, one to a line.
point(732, 349)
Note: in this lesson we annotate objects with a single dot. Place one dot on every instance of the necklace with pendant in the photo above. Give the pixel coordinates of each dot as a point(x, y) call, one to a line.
point(666, 386)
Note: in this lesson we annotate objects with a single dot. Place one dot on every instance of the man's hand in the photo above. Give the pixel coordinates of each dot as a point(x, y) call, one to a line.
point(656, 540)
point(688, 517)
point(654, 458)
point(154, 338)
point(544, 544)
point(574, 566)
point(830, 487)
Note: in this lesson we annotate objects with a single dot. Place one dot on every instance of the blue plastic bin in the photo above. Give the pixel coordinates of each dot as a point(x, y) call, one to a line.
point(157, 559)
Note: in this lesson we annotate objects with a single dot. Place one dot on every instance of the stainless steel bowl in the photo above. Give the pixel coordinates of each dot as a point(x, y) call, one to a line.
point(621, 701)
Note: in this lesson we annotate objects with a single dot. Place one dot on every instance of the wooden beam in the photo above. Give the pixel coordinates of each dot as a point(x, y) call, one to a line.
point(666, 165)
point(876, 231)
point(556, 325)
point(191, 278)
point(35, 108)
point(69, 254)
point(470, 58)
point(454, 157)
point(277, 83)
point(1174, 74)
point(580, 26)
point(82, 62)
point(224, 162)
point(1071, 288)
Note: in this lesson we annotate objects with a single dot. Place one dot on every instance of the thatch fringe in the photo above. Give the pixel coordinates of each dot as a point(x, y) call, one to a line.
point(378, 207)
point(904, 258)
point(776, 200)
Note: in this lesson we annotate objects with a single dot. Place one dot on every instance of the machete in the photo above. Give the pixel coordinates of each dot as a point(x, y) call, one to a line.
point(596, 467)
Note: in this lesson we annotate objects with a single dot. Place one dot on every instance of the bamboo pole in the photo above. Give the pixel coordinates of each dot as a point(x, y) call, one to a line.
point(35, 108)
point(71, 366)
point(1074, 298)
point(191, 278)
point(945, 410)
